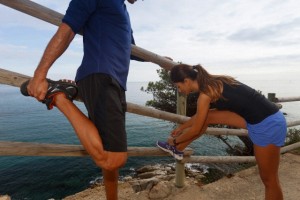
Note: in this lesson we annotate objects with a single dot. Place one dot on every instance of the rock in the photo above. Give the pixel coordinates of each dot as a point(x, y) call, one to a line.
point(148, 168)
point(191, 173)
point(5, 197)
point(127, 178)
point(144, 184)
point(152, 174)
point(167, 177)
point(169, 170)
point(199, 177)
point(160, 191)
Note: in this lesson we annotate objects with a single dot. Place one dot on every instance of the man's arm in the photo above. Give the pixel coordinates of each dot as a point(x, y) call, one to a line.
point(56, 47)
point(132, 57)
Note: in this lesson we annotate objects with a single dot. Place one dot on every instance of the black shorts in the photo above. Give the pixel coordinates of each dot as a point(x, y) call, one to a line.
point(105, 101)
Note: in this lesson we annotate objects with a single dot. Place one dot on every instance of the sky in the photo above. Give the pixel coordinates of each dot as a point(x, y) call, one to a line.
point(245, 39)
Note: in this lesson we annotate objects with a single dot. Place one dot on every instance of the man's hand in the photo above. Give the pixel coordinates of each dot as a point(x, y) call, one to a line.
point(37, 87)
point(131, 1)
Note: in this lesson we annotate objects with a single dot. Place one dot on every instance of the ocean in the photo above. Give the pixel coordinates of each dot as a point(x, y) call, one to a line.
point(26, 120)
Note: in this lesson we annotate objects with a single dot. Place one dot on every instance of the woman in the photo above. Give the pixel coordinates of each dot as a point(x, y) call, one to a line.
point(235, 105)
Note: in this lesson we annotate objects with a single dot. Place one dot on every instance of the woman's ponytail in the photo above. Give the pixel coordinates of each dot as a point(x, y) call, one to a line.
point(202, 77)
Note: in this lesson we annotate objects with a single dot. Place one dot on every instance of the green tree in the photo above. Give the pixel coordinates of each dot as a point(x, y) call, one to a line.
point(164, 93)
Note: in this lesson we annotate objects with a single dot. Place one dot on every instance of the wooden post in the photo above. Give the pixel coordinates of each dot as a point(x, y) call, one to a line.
point(179, 169)
point(272, 97)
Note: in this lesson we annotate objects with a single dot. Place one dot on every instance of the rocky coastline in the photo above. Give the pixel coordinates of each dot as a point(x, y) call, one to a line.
point(156, 180)
point(153, 182)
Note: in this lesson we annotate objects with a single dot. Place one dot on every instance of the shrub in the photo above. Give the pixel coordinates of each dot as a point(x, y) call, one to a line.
point(293, 136)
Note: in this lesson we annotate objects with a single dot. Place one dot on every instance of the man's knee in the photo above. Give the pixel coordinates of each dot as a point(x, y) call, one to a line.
point(119, 159)
point(115, 160)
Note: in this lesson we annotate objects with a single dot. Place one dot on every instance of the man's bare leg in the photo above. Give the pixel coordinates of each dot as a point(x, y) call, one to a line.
point(89, 137)
point(111, 184)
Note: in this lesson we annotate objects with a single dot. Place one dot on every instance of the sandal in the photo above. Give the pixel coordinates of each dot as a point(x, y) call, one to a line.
point(66, 87)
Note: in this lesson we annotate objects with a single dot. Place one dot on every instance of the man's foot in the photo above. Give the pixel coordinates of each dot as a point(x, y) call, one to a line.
point(170, 149)
point(66, 87)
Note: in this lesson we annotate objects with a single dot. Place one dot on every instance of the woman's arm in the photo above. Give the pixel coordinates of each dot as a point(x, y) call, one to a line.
point(176, 132)
point(197, 121)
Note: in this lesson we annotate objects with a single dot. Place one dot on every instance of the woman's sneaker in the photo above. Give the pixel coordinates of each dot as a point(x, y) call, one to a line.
point(66, 87)
point(170, 149)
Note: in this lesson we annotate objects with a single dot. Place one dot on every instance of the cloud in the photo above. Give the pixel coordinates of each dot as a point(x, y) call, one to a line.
point(272, 34)
point(226, 36)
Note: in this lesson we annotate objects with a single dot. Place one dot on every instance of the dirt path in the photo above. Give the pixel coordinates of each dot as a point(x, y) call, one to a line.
point(244, 185)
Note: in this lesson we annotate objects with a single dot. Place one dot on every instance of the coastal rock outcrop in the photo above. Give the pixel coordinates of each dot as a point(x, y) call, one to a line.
point(5, 197)
point(158, 179)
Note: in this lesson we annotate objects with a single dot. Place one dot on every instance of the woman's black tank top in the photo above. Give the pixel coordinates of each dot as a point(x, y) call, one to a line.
point(246, 102)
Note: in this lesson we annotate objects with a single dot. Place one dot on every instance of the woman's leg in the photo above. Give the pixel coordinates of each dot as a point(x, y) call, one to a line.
point(217, 117)
point(268, 159)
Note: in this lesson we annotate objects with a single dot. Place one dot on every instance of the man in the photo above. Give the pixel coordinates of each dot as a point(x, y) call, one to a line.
point(101, 80)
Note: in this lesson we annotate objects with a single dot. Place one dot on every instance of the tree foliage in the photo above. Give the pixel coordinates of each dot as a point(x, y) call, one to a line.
point(163, 91)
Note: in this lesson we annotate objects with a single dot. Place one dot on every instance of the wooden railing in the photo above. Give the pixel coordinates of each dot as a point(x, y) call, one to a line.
point(15, 79)
point(68, 150)
point(37, 149)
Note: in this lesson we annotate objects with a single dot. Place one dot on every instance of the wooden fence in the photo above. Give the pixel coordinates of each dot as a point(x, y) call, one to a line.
point(36, 149)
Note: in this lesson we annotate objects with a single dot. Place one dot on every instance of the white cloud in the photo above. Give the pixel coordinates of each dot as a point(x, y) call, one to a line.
point(231, 37)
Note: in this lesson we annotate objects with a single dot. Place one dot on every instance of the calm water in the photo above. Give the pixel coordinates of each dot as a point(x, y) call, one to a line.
point(24, 119)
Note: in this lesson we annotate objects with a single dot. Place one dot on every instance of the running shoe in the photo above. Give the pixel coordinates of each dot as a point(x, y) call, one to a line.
point(66, 87)
point(170, 149)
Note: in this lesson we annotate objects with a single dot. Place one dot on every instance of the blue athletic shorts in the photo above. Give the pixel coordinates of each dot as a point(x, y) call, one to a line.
point(271, 130)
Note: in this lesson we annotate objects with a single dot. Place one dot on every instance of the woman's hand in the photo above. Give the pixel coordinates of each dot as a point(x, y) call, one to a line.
point(176, 132)
point(171, 140)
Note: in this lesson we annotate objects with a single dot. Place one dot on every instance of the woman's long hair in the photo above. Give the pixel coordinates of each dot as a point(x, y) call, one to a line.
point(211, 85)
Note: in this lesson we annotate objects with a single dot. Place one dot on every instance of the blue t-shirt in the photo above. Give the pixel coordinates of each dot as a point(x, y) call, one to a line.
point(107, 37)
